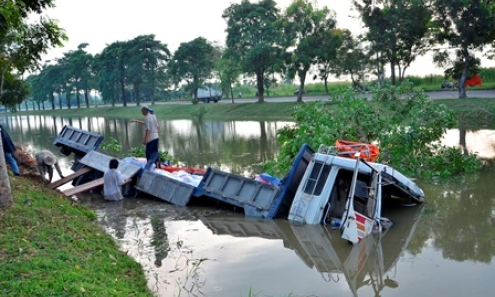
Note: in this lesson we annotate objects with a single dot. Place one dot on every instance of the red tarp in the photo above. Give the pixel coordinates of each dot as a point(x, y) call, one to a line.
point(474, 81)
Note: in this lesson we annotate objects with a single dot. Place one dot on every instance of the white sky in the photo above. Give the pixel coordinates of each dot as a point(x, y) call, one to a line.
point(101, 22)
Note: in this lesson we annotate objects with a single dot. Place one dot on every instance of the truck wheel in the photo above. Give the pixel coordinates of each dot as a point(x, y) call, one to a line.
point(208, 100)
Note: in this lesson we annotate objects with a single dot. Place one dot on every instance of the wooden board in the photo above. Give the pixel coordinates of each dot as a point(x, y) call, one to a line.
point(84, 187)
point(69, 178)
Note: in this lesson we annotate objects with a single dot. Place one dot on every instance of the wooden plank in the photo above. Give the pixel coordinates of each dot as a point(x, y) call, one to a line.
point(84, 187)
point(69, 178)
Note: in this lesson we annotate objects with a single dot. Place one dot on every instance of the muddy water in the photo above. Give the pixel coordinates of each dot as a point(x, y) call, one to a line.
point(442, 248)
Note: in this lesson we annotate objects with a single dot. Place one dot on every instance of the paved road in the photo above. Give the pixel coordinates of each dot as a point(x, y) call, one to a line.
point(432, 95)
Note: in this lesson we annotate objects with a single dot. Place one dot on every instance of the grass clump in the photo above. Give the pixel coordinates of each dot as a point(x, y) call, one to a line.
point(51, 246)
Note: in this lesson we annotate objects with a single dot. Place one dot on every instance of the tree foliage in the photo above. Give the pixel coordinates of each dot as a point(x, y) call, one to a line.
point(194, 62)
point(22, 42)
point(253, 37)
point(467, 27)
point(405, 124)
point(398, 30)
point(304, 30)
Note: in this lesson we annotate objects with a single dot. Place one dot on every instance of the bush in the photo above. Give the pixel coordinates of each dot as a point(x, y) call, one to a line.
point(405, 124)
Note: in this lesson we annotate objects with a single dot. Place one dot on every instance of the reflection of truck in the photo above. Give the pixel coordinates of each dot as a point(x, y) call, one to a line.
point(207, 94)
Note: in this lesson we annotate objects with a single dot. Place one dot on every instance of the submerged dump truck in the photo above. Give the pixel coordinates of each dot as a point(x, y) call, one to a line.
point(207, 94)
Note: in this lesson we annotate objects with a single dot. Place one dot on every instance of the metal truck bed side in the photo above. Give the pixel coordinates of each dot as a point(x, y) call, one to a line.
point(165, 188)
point(258, 199)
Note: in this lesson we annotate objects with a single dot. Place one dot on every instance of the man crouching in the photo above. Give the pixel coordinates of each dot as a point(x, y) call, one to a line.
point(45, 160)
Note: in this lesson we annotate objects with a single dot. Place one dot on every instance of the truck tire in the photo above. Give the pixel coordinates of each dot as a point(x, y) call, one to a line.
point(208, 100)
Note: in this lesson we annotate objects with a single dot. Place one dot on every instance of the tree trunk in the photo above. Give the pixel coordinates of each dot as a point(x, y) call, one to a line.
point(78, 98)
point(52, 100)
point(86, 97)
point(392, 72)
point(325, 80)
point(60, 100)
point(261, 88)
point(67, 98)
point(122, 91)
point(136, 94)
point(462, 80)
point(6, 199)
point(302, 79)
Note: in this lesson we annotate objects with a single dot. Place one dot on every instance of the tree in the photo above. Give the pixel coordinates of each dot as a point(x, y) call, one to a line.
point(21, 42)
point(111, 66)
point(21, 46)
point(147, 65)
point(352, 59)
point(327, 59)
point(304, 29)
point(228, 70)
point(467, 27)
point(398, 30)
point(193, 62)
point(253, 38)
point(15, 91)
point(78, 70)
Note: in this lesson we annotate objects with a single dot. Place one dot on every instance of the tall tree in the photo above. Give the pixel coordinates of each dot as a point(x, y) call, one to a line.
point(78, 69)
point(467, 27)
point(193, 62)
point(305, 29)
point(111, 66)
point(228, 70)
point(327, 57)
point(253, 37)
point(397, 29)
point(22, 42)
point(148, 62)
point(352, 59)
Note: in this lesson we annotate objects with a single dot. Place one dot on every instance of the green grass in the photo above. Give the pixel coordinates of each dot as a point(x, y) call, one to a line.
point(53, 247)
point(480, 110)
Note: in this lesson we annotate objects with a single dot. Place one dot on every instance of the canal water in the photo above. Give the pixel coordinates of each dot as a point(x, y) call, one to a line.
point(444, 247)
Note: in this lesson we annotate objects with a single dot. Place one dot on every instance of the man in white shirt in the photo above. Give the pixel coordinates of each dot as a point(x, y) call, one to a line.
point(151, 132)
point(113, 180)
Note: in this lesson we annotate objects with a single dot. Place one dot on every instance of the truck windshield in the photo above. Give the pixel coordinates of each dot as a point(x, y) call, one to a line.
point(317, 179)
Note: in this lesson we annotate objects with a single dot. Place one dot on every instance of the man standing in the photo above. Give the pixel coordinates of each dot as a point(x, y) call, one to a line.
point(45, 160)
point(8, 149)
point(151, 133)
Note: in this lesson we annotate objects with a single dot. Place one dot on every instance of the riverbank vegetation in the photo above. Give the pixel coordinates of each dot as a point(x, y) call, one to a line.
point(51, 246)
point(406, 125)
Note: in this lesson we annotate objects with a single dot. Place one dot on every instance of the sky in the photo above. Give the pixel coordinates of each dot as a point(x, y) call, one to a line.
point(101, 22)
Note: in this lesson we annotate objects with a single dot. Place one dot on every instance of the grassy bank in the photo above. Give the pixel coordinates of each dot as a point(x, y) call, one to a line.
point(53, 247)
point(476, 109)
point(240, 111)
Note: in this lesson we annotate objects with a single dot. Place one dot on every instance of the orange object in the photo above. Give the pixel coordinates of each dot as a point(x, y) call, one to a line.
point(368, 152)
point(190, 170)
point(474, 81)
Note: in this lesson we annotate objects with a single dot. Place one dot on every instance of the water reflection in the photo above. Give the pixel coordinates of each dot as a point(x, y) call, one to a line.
point(236, 146)
point(367, 264)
